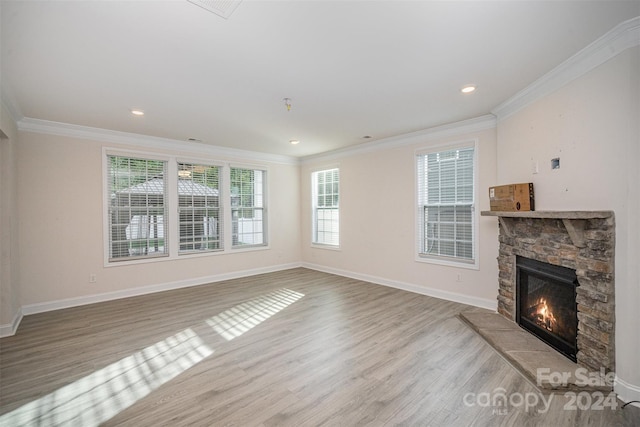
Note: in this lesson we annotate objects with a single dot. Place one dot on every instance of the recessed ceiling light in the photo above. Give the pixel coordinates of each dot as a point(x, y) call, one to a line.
point(136, 112)
point(294, 141)
point(468, 89)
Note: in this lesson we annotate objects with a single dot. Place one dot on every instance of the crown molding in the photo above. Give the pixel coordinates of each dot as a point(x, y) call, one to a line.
point(622, 37)
point(27, 124)
point(438, 132)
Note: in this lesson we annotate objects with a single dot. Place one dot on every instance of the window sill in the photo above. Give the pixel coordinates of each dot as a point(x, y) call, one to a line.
point(186, 255)
point(449, 262)
point(248, 248)
point(327, 247)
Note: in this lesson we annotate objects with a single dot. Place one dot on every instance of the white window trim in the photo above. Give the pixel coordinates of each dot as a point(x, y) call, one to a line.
point(313, 225)
point(445, 261)
point(265, 209)
point(106, 152)
point(172, 206)
point(176, 224)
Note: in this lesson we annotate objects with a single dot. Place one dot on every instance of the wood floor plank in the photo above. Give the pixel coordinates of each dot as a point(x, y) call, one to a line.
point(292, 348)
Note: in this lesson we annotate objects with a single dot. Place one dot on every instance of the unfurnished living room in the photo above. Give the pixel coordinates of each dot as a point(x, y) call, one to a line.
point(305, 213)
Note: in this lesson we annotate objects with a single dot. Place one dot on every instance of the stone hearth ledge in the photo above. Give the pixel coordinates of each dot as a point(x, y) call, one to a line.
point(527, 353)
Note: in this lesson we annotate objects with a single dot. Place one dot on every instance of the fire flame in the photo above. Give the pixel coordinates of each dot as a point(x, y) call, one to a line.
point(544, 316)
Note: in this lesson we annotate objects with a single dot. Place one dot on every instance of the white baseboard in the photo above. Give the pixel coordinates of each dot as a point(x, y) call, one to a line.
point(143, 290)
point(627, 392)
point(489, 304)
point(10, 329)
point(108, 296)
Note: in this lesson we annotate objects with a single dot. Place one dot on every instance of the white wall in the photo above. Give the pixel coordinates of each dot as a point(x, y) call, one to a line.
point(10, 313)
point(592, 124)
point(60, 182)
point(378, 221)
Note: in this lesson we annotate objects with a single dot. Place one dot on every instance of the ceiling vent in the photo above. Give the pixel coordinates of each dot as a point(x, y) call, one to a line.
point(222, 8)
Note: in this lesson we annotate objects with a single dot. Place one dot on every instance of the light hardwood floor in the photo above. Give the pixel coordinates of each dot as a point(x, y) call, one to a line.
point(292, 348)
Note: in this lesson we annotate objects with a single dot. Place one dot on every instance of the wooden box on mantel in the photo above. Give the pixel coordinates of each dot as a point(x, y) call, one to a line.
point(512, 197)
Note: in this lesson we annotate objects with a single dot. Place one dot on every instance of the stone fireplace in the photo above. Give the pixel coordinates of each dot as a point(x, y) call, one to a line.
point(580, 241)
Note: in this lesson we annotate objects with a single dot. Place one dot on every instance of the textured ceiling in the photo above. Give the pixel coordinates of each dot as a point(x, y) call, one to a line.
point(351, 68)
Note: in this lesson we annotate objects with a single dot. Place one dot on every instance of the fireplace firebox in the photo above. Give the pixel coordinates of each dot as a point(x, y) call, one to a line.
point(546, 303)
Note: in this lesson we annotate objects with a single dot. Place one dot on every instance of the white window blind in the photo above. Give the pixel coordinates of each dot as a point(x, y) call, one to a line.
point(200, 215)
point(326, 207)
point(137, 207)
point(248, 207)
point(446, 204)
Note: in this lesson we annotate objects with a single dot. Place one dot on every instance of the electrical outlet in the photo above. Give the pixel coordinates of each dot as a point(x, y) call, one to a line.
point(93, 278)
point(459, 278)
point(535, 168)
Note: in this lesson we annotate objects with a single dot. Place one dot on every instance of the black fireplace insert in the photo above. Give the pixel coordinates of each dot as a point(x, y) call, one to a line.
point(546, 303)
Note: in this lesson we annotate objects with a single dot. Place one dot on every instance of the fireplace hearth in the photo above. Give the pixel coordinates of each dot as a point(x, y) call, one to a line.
point(546, 303)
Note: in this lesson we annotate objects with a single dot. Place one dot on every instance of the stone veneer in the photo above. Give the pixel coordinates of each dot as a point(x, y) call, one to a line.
point(583, 241)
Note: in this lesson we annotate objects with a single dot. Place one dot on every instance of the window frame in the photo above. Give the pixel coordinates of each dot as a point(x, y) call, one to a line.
point(472, 263)
point(265, 203)
point(221, 206)
point(171, 220)
point(314, 219)
point(107, 225)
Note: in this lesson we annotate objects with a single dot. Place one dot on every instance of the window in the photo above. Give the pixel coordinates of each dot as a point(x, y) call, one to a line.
point(446, 204)
point(137, 207)
point(160, 207)
point(326, 207)
point(199, 209)
point(248, 214)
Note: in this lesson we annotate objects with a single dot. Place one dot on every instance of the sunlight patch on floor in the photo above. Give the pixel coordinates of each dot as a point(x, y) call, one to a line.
point(237, 320)
point(98, 397)
point(103, 394)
